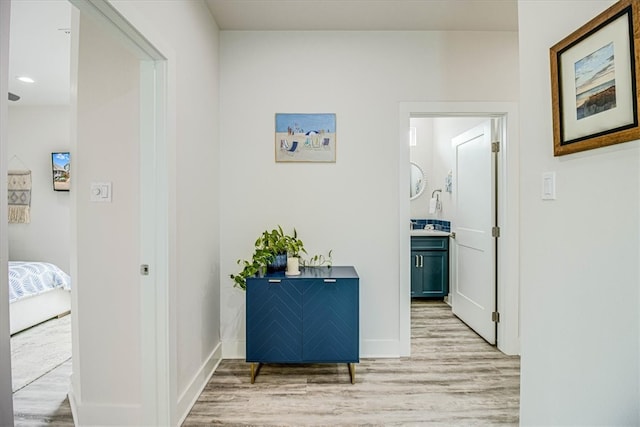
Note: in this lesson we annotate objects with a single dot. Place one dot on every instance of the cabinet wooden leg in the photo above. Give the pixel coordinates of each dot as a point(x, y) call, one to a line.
point(352, 372)
point(255, 368)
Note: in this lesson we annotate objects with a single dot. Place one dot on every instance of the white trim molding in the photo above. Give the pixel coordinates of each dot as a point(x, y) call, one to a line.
point(508, 214)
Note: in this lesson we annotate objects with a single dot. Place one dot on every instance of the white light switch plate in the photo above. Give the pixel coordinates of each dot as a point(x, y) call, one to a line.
point(549, 186)
point(100, 192)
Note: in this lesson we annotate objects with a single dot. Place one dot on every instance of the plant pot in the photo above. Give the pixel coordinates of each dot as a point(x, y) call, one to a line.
point(278, 264)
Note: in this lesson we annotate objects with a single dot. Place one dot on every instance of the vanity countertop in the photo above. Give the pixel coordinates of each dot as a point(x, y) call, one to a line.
point(430, 233)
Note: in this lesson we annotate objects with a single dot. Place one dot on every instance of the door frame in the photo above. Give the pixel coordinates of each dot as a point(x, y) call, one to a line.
point(157, 141)
point(6, 393)
point(508, 272)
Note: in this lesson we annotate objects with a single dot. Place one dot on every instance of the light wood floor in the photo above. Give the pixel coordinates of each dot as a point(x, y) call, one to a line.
point(452, 378)
point(44, 402)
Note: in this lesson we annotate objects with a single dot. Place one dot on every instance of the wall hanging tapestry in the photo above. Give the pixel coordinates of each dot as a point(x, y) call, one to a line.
point(19, 196)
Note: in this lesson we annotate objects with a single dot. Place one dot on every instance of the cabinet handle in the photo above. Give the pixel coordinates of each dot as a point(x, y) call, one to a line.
point(329, 280)
point(274, 280)
point(421, 261)
point(417, 264)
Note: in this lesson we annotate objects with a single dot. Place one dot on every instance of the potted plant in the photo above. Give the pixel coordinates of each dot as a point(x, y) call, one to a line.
point(270, 254)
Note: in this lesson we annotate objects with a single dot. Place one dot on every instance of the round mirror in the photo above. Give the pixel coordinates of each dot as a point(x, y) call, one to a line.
point(418, 181)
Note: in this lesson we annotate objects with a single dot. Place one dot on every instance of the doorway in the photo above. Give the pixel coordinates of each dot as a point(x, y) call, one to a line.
point(156, 93)
point(507, 270)
point(456, 156)
point(38, 126)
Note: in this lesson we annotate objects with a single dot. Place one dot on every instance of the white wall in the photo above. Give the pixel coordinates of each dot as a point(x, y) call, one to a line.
point(188, 29)
point(350, 206)
point(185, 33)
point(107, 362)
point(34, 133)
point(434, 153)
point(422, 155)
point(579, 253)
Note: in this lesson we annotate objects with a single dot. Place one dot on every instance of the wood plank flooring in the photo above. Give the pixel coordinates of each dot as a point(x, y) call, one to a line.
point(41, 368)
point(44, 402)
point(453, 377)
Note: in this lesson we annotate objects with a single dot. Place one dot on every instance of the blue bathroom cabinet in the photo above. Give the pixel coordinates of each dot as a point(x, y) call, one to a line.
point(429, 267)
point(310, 318)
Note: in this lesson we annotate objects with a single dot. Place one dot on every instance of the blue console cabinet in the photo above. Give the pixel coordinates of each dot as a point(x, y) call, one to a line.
point(310, 318)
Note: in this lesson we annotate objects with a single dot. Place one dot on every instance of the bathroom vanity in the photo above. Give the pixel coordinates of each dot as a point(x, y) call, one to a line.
point(429, 264)
point(309, 318)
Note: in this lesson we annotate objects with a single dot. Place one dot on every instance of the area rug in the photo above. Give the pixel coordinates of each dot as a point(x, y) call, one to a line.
point(40, 349)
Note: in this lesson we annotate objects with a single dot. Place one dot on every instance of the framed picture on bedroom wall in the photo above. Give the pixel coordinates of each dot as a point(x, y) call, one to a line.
point(594, 82)
point(60, 165)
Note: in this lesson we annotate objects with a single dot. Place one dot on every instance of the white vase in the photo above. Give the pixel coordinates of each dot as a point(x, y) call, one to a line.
point(293, 266)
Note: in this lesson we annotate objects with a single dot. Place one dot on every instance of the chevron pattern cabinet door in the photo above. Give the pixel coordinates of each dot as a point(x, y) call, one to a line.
point(331, 328)
point(274, 321)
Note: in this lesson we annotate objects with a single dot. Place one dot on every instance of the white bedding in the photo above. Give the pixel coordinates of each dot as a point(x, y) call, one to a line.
point(37, 292)
point(34, 278)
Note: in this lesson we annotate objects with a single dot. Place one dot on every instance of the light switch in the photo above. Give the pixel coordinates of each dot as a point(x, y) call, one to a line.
point(100, 192)
point(549, 186)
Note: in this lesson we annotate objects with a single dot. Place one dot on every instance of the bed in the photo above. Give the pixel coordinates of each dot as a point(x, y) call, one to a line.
point(38, 291)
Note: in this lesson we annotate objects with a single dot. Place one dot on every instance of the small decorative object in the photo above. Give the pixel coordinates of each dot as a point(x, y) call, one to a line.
point(19, 196)
point(594, 81)
point(448, 182)
point(319, 260)
point(293, 266)
point(305, 137)
point(60, 163)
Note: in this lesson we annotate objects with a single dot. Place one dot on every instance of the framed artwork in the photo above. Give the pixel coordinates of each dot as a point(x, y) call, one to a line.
point(60, 165)
point(305, 137)
point(594, 85)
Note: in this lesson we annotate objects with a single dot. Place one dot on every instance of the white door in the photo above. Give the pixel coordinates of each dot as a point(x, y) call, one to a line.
point(474, 247)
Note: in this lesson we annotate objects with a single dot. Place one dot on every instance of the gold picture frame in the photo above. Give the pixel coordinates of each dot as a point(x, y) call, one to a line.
point(594, 81)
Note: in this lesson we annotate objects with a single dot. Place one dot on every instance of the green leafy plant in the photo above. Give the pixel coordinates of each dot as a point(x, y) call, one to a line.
point(268, 246)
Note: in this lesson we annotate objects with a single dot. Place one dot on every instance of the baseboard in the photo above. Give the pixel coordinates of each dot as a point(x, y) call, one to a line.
point(368, 349)
point(379, 348)
point(103, 414)
point(72, 403)
point(190, 395)
point(235, 349)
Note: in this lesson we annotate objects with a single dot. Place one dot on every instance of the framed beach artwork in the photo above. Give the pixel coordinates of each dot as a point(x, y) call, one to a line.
point(60, 164)
point(594, 82)
point(305, 137)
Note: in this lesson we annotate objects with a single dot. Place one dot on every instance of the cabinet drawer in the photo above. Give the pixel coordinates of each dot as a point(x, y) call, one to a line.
point(429, 243)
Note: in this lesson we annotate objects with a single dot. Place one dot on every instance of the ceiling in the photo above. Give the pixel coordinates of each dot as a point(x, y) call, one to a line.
point(365, 15)
point(40, 46)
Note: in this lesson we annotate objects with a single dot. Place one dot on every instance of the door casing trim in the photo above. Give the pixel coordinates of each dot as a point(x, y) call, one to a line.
point(508, 214)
